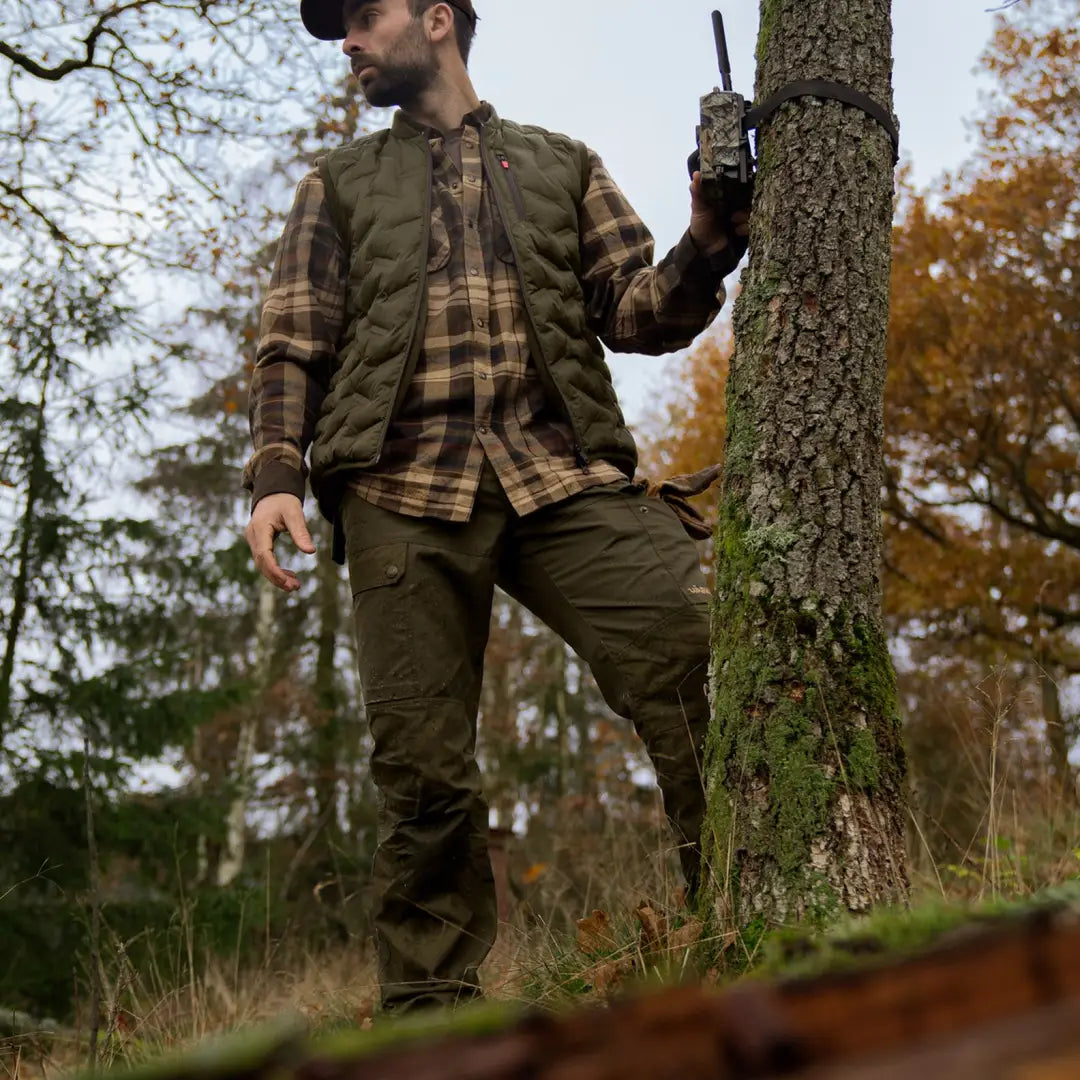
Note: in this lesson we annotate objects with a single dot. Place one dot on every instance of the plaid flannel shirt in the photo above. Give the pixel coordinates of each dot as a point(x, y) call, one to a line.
point(475, 395)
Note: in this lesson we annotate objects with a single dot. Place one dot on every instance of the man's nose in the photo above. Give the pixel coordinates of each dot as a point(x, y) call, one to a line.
point(351, 44)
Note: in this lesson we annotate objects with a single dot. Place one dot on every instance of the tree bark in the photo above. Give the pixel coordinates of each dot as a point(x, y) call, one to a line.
point(805, 765)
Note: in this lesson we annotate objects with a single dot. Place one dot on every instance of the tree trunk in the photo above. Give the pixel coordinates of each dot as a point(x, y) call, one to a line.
point(328, 723)
point(805, 763)
point(562, 718)
point(232, 855)
point(1057, 735)
point(26, 557)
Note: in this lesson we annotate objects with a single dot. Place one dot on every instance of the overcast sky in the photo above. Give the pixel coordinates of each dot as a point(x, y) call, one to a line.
point(626, 76)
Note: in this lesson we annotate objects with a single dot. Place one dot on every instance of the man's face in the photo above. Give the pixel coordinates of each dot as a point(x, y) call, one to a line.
point(389, 51)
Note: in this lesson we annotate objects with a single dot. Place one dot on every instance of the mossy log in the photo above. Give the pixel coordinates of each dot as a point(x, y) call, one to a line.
point(988, 1001)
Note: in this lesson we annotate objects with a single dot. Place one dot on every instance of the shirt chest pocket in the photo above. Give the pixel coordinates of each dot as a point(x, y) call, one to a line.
point(438, 275)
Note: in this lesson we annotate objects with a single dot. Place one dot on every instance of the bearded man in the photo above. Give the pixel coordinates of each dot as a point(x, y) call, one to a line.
point(433, 332)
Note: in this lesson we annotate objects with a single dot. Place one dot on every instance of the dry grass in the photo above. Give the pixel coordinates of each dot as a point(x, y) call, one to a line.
point(147, 1014)
point(1027, 838)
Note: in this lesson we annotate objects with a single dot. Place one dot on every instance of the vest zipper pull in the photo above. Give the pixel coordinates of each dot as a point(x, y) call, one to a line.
point(581, 459)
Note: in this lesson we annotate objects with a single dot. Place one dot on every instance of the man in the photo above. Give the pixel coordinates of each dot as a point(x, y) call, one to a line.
point(433, 331)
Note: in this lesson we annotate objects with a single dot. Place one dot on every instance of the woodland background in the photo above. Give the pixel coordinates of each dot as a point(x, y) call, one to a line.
point(186, 817)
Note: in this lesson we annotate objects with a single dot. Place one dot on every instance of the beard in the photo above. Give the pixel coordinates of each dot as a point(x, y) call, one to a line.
point(404, 73)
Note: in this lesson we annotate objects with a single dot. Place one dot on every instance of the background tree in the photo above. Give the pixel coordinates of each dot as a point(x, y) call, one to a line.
point(172, 88)
point(984, 395)
point(805, 763)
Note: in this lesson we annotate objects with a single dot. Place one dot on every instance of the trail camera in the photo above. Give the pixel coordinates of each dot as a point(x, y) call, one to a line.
point(723, 154)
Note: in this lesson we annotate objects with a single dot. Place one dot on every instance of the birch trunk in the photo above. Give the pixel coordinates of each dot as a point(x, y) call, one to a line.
point(328, 726)
point(805, 766)
point(231, 861)
point(1057, 735)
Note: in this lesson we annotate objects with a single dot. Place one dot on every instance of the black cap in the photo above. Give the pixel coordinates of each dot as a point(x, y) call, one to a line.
point(323, 18)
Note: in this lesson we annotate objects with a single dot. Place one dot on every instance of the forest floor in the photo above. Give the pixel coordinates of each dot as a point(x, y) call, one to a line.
point(630, 936)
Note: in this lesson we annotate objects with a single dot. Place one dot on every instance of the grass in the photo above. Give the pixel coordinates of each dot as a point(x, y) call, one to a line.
point(603, 913)
point(161, 1010)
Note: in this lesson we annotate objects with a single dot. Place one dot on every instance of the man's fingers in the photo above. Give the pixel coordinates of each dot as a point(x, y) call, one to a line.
point(298, 530)
point(697, 200)
point(277, 514)
point(261, 541)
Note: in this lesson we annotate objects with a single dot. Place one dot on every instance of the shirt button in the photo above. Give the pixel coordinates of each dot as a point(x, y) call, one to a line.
point(474, 272)
point(454, 186)
point(482, 430)
point(393, 571)
point(480, 323)
point(483, 376)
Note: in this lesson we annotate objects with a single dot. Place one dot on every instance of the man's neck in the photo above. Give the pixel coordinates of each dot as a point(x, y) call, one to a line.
point(444, 105)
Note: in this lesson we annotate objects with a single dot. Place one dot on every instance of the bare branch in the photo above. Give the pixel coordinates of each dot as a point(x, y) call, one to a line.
point(66, 67)
point(19, 193)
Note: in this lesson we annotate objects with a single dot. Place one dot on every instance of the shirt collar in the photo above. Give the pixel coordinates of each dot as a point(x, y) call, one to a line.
point(404, 126)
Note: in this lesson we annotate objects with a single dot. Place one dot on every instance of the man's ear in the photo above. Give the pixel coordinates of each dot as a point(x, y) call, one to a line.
point(440, 22)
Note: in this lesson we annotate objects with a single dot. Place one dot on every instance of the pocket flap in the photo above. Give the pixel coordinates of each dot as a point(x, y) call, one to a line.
point(378, 566)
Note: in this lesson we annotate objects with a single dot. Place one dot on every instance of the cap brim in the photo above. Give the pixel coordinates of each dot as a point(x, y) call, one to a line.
point(322, 19)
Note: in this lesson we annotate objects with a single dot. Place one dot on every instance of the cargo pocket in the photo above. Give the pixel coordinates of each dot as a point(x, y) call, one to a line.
point(382, 618)
point(674, 549)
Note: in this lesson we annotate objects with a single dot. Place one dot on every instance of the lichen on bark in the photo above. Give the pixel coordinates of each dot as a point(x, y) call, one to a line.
point(805, 763)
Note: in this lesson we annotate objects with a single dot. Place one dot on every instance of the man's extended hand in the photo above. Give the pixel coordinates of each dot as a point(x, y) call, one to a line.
point(709, 222)
point(272, 515)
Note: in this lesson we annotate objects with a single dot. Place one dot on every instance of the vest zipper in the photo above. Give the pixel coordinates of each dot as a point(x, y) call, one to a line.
point(580, 457)
point(511, 181)
point(412, 352)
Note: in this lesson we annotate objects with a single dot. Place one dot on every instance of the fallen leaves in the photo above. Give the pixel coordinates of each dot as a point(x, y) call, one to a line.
point(594, 934)
point(657, 945)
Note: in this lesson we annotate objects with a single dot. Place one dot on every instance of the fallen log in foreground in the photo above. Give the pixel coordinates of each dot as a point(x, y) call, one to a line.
point(996, 1001)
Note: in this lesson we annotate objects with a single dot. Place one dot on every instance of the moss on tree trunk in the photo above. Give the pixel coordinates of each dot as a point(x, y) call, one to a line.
point(805, 763)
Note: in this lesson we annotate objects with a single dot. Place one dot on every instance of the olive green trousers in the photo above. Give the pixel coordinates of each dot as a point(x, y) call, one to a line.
point(614, 574)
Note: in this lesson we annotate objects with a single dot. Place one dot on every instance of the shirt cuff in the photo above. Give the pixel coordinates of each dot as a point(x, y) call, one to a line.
point(275, 478)
point(713, 268)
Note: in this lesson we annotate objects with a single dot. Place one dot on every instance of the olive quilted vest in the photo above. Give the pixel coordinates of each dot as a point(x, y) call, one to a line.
point(379, 190)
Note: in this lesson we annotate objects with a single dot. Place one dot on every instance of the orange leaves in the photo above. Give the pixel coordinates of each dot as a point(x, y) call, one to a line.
point(534, 873)
point(983, 404)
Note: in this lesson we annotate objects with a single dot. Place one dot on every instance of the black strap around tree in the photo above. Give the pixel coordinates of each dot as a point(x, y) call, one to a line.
point(822, 88)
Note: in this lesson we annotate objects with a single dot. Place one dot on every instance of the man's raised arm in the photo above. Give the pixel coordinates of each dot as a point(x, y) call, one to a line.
point(633, 306)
